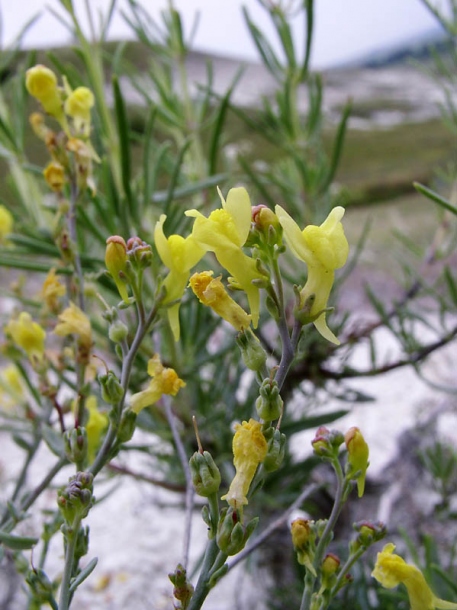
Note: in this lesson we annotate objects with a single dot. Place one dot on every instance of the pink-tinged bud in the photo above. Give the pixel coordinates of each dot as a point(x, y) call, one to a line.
point(330, 565)
point(368, 533)
point(263, 217)
point(116, 262)
point(358, 452)
point(326, 443)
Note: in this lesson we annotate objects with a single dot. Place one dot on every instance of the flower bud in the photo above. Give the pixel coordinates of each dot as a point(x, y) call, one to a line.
point(6, 223)
point(330, 565)
point(263, 218)
point(139, 253)
point(75, 441)
point(183, 589)
point(327, 442)
point(41, 83)
point(118, 331)
point(368, 534)
point(78, 105)
point(275, 451)
point(205, 474)
point(75, 500)
point(127, 426)
point(329, 570)
point(42, 588)
point(231, 534)
point(269, 404)
point(112, 391)
point(252, 352)
point(303, 539)
point(54, 174)
point(357, 463)
point(116, 263)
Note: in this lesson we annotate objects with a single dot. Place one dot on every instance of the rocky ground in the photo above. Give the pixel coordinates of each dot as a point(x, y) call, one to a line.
point(383, 96)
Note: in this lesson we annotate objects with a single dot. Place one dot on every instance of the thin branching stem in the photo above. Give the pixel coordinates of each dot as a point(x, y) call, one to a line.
point(189, 499)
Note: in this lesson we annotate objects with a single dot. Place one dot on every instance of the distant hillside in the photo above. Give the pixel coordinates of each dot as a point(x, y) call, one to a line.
point(418, 49)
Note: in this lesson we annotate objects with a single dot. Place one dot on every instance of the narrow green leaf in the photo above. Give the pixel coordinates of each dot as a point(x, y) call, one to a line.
point(264, 48)
point(75, 582)
point(309, 16)
point(451, 284)
point(17, 543)
point(338, 145)
point(148, 183)
point(447, 205)
point(219, 125)
point(285, 35)
point(124, 144)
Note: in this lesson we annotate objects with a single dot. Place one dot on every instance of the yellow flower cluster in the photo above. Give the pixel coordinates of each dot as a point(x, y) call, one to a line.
point(164, 381)
point(224, 232)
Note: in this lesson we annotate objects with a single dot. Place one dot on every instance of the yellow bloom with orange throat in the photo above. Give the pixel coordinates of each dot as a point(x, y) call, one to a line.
point(324, 249)
point(225, 232)
point(249, 450)
point(211, 292)
point(392, 570)
point(164, 381)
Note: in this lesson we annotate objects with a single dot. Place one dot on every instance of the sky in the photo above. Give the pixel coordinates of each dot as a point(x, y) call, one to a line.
point(346, 30)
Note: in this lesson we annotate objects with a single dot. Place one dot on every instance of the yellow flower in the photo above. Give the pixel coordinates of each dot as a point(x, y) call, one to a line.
point(164, 381)
point(116, 263)
point(225, 232)
point(249, 450)
point(358, 452)
point(324, 249)
point(78, 106)
point(211, 292)
point(54, 174)
point(11, 387)
point(179, 254)
point(95, 427)
point(73, 321)
point(6, 223)
point(391, 570)
point(28, 335)
point(51, 290)
point(41, 83)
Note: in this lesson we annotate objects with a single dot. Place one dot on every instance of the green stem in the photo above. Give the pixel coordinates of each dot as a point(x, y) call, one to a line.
point(105, 451)
point(326, 536)
point(202, 588)
point(71, 538)
point(345, 569)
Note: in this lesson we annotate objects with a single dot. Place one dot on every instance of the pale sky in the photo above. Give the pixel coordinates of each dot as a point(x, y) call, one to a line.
point(345, 29)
